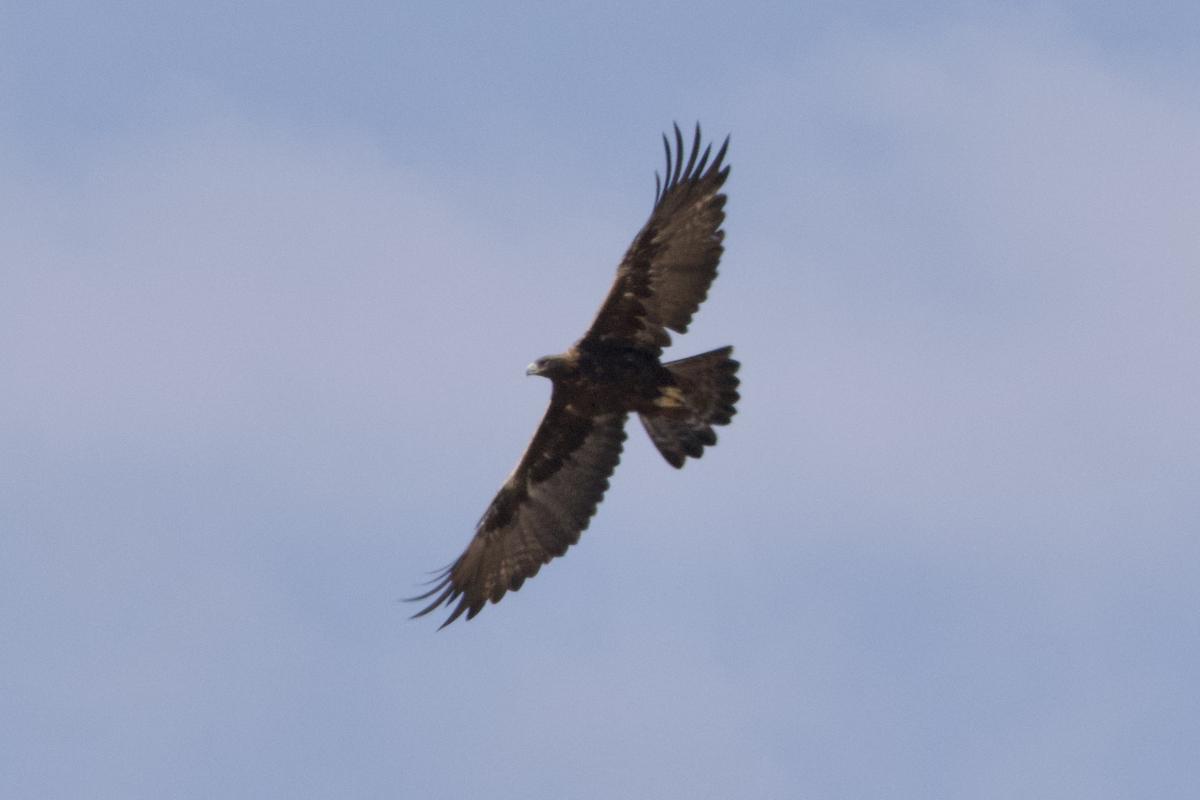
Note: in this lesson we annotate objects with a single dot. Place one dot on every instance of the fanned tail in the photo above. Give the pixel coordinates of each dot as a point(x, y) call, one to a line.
point(706, 396)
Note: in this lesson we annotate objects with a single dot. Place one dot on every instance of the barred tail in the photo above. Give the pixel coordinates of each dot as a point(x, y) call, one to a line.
point(706, 396)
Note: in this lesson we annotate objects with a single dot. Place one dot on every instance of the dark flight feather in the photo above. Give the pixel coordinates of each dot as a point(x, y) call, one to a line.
point(666, 273)
point(543, 507)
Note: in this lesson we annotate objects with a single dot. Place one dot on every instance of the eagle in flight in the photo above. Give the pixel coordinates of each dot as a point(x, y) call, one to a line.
point(614, 370)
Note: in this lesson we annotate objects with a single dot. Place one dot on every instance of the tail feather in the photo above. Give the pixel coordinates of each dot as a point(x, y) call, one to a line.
point(707, 395)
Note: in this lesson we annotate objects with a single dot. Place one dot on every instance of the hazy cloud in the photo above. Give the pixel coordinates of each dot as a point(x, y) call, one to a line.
point(263, 368)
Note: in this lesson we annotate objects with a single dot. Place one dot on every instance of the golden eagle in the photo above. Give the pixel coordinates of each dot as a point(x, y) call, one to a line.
point(613, 370)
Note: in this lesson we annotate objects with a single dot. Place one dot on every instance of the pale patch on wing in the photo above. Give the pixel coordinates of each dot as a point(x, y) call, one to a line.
point(671, 397)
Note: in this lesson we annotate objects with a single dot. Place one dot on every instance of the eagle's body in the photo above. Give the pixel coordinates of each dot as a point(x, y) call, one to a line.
point(606, 377)
point(614, 370)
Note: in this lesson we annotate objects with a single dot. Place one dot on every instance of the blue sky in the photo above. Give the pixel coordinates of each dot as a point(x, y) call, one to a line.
point(270, 280)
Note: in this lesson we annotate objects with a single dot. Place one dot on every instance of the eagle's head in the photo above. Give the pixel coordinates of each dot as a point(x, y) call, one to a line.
point(551, 367)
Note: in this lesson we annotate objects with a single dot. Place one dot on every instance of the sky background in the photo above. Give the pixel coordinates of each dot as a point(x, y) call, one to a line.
point(269, 279)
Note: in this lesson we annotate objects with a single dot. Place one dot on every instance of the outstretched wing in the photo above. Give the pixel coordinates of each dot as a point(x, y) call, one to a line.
point(666, 273)
point(540, 511)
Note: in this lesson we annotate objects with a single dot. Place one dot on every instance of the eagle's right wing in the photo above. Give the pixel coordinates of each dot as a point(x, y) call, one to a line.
point(665, 274)
point(538, 513)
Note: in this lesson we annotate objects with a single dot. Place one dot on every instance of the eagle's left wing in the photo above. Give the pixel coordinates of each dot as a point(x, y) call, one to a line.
point(540, 511)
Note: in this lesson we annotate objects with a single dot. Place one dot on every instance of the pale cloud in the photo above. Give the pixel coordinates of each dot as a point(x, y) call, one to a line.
point(259, 376)
point(997, 304)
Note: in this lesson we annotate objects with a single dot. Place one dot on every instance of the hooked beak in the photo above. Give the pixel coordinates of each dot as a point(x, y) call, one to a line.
point(533, 369)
